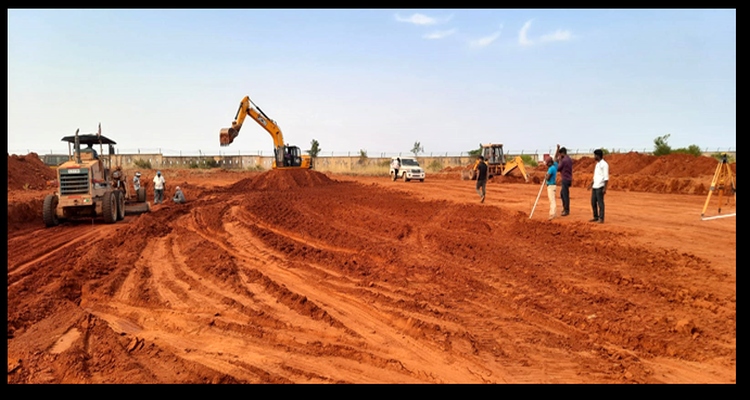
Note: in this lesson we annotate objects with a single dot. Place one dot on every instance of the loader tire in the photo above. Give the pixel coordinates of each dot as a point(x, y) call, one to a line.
point(141, 195)
point(120, 205)
point(49, 212)
point(109, 207)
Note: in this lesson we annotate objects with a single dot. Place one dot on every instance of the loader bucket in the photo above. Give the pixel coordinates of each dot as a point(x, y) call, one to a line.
point(226, 136)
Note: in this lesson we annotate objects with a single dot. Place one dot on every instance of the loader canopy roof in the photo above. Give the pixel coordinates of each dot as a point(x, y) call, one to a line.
point(89, 138)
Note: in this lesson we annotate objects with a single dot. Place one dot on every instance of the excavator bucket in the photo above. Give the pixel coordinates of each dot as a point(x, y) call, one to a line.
point(226, 136)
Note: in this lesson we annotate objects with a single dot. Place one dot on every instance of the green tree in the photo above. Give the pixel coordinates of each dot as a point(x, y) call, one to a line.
point(314, 149)
point(362, 157)
point(476, 152)
point(661, 148)
point(693, 150)
point(417, 149)
point(528, 160)
point(141, 163)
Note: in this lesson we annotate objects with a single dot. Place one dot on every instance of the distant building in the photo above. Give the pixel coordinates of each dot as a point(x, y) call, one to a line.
point(54, 160)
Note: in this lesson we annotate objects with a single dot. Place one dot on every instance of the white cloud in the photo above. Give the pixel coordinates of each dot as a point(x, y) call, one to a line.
point(484, 41)
point(439, 34)
point(558, 35)
point(417, 19)
point(421, 19)
point(522, 39)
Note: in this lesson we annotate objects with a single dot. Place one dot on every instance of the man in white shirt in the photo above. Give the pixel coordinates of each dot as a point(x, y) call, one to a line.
point(599, 186)
point(395, 166)
point(159, 183)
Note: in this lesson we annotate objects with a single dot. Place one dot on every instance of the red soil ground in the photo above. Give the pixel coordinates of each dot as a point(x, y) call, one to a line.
point(304, 277)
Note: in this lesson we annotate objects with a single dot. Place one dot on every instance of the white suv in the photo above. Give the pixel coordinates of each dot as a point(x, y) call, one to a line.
point(410, 169)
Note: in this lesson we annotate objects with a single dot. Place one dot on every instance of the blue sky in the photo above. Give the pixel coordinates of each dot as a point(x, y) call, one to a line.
point(377, 80)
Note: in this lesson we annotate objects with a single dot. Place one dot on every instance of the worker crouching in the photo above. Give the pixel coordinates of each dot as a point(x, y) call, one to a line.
point(178, 197)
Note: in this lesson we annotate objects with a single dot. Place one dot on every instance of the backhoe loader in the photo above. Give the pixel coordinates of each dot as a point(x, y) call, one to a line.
point(285, 156)
point(496, 163)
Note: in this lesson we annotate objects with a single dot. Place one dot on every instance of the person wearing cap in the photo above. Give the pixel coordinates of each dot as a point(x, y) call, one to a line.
point(159, 184)
point(178, 197)
point(137, 181)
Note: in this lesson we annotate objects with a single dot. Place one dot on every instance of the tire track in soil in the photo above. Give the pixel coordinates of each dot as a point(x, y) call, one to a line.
point(338, 297)
point(264, 259)
point(176, 320)
point(34, 247)
point(269, 260)
point(401, 321)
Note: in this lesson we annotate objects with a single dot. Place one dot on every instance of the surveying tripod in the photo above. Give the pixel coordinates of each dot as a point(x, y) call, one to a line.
point(723, 181)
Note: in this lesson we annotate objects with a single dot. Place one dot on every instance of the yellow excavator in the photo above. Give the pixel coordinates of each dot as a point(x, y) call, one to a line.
point(285, 156)
point(497, 163)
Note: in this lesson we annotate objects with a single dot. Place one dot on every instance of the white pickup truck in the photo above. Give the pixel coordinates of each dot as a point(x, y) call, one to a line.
point(410, 169)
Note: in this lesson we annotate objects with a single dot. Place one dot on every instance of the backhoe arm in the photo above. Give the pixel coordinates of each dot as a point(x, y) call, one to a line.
point(516, 163)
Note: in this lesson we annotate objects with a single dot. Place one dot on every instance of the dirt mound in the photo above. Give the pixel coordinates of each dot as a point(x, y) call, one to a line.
point(626, 163)
point(456, 168)
point(681, 166)
point(28, 172)
point(25, 213)
point(283, 179)
point(674, 165)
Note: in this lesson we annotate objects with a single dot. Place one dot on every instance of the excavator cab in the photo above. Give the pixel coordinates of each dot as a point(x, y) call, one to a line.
point(288, 156)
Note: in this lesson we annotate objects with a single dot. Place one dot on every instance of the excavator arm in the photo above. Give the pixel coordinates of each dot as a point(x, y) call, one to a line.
point(227, 135)
point(288, 156)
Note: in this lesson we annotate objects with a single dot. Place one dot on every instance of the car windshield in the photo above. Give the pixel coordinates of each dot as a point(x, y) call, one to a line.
point(409, 162)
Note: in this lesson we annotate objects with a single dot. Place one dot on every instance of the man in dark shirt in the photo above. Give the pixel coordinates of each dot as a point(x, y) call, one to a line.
point(481, 168)
point(565, 165)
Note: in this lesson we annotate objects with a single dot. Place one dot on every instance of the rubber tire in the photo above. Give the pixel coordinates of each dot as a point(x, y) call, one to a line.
point(404, 176)
point(49, 211)
point(109, 206)
point(141, 195)
point(120, 205)
point(421, 180)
